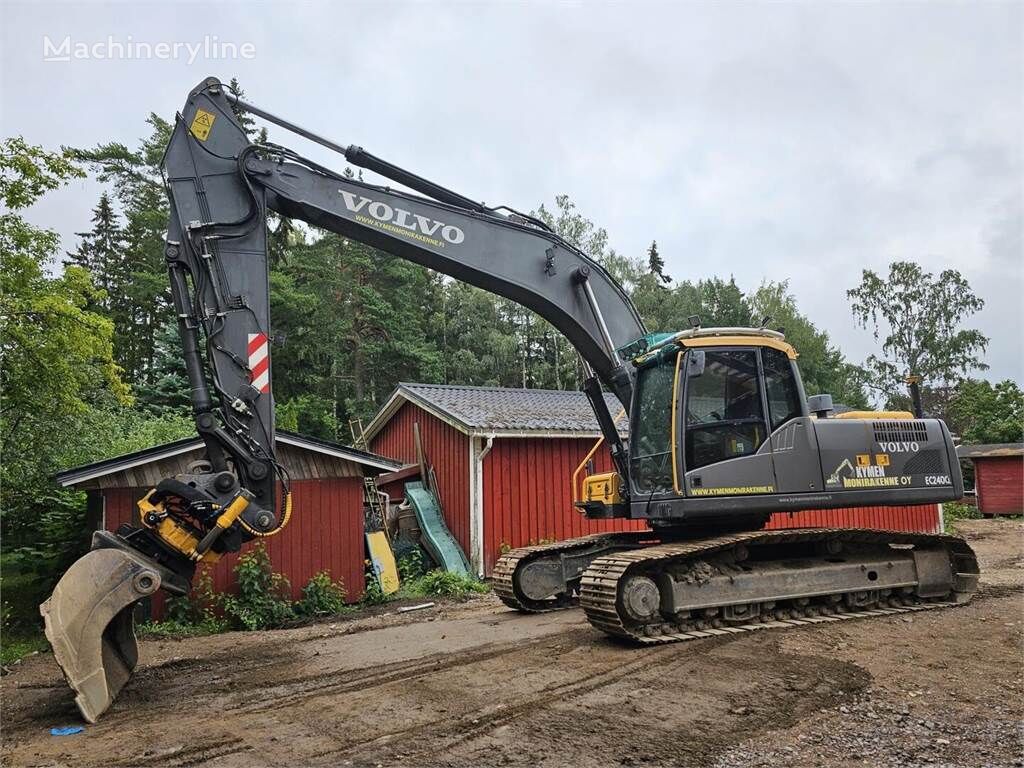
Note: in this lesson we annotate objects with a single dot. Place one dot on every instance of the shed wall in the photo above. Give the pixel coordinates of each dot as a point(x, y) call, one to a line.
point(999, 483)
point(325, 533)
point(527, 494)
point(447, 450)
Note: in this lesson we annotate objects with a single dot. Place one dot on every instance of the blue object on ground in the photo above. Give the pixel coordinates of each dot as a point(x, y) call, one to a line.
point(68, 730)
point(436, 538)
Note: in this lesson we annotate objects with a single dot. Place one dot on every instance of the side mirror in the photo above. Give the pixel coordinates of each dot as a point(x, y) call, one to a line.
point(695, 363)
point(820, 405)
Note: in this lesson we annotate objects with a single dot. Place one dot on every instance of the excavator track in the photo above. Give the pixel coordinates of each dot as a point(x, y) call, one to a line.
point(510, 567)
point(615, 589)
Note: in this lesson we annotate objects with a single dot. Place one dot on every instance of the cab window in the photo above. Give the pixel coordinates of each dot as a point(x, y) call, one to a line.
point(650, 444)
point(781, 387)
point(724, 417)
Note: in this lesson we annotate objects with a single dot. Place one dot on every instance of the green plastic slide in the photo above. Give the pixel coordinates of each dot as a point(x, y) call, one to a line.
point(436, 538)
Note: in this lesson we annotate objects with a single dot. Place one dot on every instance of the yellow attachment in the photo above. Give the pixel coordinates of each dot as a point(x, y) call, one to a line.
point(603, 488)
point(892, 415)
point(171, 532)
point(179, 537)
point(231, 513)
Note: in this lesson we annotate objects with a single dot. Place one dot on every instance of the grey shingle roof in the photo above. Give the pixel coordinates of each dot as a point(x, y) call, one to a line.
point(503, 409)
point(990, 450)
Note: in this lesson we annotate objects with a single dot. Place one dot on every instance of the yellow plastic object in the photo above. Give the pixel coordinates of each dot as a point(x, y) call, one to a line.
point(383, 560)
point(893, 415)
point(603, 488)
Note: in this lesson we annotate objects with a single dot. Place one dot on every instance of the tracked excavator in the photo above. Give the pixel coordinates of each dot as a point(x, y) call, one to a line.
point(720, 437)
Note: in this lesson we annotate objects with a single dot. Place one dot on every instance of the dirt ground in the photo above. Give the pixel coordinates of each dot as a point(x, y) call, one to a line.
point(478, 685)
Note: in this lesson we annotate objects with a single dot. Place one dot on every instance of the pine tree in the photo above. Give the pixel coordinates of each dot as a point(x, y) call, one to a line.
point(101, 251)
point(166, 390)
point(656, 264)
point(244, 118)
point(136, 177)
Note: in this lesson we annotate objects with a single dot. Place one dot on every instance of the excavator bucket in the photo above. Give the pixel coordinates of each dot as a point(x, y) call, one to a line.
point(88, 620)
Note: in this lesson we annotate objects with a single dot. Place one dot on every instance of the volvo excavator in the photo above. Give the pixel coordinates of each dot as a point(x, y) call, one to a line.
point(720, 437)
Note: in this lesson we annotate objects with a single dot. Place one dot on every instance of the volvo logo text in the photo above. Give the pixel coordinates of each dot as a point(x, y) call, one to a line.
point(400, 218)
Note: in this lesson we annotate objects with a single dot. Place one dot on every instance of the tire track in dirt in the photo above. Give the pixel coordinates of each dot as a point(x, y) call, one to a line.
point(477, 722)
point(346, 680)
point(194, 754)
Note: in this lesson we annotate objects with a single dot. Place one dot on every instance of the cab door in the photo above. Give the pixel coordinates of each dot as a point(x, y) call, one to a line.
point(793, 438)
point(725, 449)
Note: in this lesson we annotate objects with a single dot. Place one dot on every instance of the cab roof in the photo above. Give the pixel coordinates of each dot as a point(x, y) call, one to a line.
point(724, 337)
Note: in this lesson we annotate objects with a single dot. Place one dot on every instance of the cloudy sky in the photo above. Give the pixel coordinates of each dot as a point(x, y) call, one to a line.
point(798, 142)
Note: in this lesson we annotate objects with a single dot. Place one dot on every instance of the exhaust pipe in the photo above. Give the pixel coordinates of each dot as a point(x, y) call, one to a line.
point(89, 619)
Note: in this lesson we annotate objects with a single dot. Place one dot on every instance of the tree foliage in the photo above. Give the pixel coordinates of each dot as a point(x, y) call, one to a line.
point(917, 317)
point(56, 368)
point(982, 412)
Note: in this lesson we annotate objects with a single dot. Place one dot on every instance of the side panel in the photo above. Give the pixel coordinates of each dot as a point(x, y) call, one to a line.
point(447, 450)
point(739, 476)
point(868, 454)
point(795, 452)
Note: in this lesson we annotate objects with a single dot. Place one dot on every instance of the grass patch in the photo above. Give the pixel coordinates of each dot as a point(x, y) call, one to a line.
point(172, 628)
point(453, 586)
point(14, 648)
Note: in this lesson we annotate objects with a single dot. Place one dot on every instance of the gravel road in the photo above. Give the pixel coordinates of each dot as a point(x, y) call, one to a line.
point(477, 685)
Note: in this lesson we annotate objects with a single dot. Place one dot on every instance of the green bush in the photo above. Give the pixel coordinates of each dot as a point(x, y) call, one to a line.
point(194, 614)
point(322, 597)
point(262, 600)
point(954, 511)
point(410, 565)
point(373, 594)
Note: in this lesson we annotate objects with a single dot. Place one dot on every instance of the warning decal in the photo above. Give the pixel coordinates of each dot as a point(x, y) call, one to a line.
point(202, 123)
point(259, 362)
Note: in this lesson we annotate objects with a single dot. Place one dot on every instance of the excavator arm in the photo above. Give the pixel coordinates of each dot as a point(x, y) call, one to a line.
point(221, 188)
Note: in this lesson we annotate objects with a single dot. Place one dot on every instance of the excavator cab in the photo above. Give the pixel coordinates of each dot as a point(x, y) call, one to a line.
point(704, 409)
point(721, 433)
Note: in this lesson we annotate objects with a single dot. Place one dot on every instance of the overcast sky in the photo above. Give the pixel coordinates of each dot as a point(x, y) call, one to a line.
point(798, 142)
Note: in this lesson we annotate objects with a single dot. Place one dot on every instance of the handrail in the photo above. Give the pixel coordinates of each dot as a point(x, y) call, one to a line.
point(587, 458)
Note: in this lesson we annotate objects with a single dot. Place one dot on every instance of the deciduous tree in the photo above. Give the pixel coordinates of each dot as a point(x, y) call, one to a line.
point(918, 317)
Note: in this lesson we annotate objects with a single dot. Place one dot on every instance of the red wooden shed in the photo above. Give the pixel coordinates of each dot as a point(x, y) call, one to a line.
point(326, 528)
point(504, 460)
point(998, 477)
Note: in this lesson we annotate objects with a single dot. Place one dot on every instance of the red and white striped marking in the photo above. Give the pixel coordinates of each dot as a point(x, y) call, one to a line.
point(259, 361)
